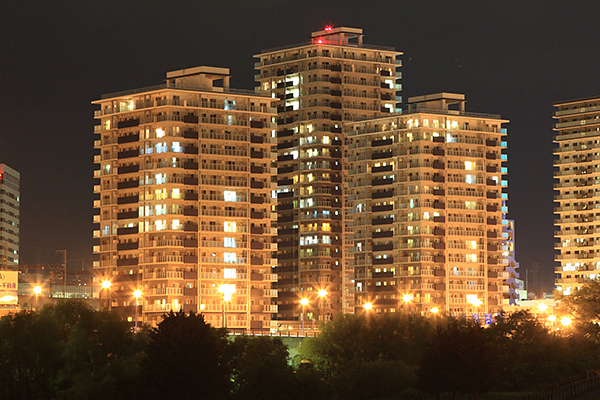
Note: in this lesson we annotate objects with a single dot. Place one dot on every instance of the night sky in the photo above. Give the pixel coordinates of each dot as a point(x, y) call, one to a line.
point(514, 58)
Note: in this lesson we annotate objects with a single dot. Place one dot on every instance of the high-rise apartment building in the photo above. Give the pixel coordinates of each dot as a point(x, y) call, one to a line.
point(426, 192)
point(577, 171)
point(9, 216)
point(515, 284)
point(319, 86)
point(186, 200)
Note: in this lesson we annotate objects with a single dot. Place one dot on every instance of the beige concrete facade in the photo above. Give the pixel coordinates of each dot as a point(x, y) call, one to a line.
point(577, 171)
point(185, 199)
point(319, 86)
point(425, 192)
point(10, 206)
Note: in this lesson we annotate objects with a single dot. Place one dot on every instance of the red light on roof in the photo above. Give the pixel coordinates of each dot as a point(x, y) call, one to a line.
point(328, 27)
point(319, 41)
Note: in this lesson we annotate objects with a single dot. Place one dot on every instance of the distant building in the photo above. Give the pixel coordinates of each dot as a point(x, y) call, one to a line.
point(515, 285)
point(577, 171)
point(9, 216)
point(425, 193)
point(186, 201)
point(319, 86)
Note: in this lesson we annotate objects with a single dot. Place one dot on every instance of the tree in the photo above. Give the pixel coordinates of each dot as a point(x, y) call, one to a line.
point(30, 356)
point(260, 368)
point(186, 359)
point(584, 303)
point(369, 357)
point(457, 360)
point(102, 357)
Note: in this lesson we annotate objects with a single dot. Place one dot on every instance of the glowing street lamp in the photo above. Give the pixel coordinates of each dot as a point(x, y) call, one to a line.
point(565, 321)
point(368, 306)
point(106, 285)
point(407, 298)
point(227, 290)
point(137, 294)
point(552, 318)
point(37, 290)
point(434, 310)
point(543, 307)
point(322, 293)
point(304, 303)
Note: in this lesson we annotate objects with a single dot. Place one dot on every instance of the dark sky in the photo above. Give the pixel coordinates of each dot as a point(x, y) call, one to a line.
point(513, 58)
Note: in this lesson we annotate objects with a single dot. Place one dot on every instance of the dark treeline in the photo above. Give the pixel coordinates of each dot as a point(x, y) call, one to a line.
point(69, 351)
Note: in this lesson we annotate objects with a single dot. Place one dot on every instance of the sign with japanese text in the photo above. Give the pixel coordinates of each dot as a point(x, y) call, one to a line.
point(9, 283)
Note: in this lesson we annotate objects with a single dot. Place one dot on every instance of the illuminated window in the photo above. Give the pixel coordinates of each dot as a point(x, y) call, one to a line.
point(469, 166)
point(229, 257)
point(176, 194)
point(229, 242)
point(471, 244)
point(161, 147)
point(326, 226)
point(159, 225)
point(160, 194)
point(176, 224)
point(229, 226)
point(229, 273)
point(471, 205)
point(470, 178)
point(229, 195)
point(177, 147)
point(471, 257)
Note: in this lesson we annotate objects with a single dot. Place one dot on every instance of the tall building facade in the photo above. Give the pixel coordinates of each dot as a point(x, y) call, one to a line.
point(577, 171)
point(9, 216)
point(319, 86)
point(186, 200)
point(426, 193)
point(515, 285)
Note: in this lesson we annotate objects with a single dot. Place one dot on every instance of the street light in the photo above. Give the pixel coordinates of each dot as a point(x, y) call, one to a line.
point(322, 293)
point(434, 310)
point(407, 298)
point(37, 290)
point(543, 307)
point(137, 294)
point(106, 285)
point(227, 290)
point(368, 306)
point(565, 321)
point(304, 303)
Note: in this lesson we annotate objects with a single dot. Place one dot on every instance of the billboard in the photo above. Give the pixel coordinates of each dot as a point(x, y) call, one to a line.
point(9, 282)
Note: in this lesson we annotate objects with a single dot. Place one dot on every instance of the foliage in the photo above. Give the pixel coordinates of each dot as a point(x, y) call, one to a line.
point(457, 360)
point(363, 356)
point(584, 303)
point(186, 359)
point(260, 368)
point(70, 351)
point(30, 356)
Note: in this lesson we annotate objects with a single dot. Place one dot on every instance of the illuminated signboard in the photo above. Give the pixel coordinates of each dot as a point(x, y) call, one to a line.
point(9, 287)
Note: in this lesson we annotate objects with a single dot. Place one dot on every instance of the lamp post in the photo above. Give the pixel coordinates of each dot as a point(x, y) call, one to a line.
point(106, 285)
point(304, 303)
point(407, 298)
point(137, 294)
point(322, 293)
point(37, 290)
point(227, 290)
point(475, 302)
